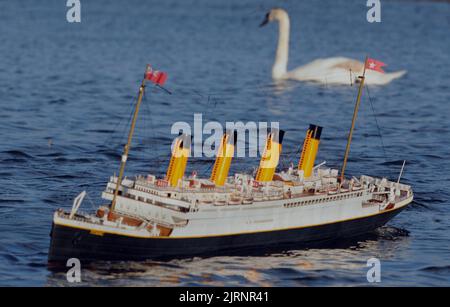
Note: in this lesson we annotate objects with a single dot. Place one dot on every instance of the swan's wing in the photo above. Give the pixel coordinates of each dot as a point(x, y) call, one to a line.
point(349, 64)
point(339, 70)
point(377, 78)
point(319, 70)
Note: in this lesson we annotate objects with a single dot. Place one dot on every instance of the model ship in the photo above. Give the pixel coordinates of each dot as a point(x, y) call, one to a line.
point(183, 216)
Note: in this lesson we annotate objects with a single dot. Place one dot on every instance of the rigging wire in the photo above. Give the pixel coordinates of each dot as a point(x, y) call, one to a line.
point(90, 201)
point(211, 104)
point(208, 169)
point(87, 168)
point(376, 122)
point(292, 154)
point(152, 126)
point(110, 139)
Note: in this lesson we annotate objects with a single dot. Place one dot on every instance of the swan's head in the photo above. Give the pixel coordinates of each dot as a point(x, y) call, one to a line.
point(275, 14)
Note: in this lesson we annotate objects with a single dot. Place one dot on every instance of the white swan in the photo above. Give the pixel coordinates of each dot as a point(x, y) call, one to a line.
point(337, 70)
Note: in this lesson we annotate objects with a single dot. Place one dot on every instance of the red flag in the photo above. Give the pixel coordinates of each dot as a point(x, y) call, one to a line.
point(157, 77)
point(375, 65)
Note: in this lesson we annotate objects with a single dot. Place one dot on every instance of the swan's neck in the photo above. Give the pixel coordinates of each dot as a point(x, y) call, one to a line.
point(279, 68)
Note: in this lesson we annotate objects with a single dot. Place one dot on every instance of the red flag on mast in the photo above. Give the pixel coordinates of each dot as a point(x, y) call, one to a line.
point(375, 65)
point(157, 77)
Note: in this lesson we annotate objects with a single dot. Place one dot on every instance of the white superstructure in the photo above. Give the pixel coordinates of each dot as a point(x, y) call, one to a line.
point(242, 205)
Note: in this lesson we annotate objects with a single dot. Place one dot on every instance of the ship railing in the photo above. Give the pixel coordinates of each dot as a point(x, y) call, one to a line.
point(185, 189)
point(79, 216)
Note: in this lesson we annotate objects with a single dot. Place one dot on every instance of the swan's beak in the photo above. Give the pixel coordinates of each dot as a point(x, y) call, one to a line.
point(265, 21)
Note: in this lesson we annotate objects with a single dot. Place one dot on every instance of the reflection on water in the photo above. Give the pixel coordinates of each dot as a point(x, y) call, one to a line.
point(279, 102)
point(345, 261)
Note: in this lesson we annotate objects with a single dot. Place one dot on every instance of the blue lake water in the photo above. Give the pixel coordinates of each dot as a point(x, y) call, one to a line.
point(65, 99)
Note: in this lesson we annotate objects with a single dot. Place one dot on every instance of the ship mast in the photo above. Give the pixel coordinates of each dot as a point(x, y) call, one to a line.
point(130, 136)
point(355, 114)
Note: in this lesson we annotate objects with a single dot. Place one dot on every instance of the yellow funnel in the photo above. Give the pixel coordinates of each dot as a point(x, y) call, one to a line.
point(269, 160)
point(178, 161)
point(310, 148)
point(224, 156)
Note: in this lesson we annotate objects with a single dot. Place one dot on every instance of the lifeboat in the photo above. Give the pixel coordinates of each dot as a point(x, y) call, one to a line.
point(220, 203)
point(247, 200)
point(235, 201)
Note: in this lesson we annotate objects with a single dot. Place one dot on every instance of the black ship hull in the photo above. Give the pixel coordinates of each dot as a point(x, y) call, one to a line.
point(68, 242)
